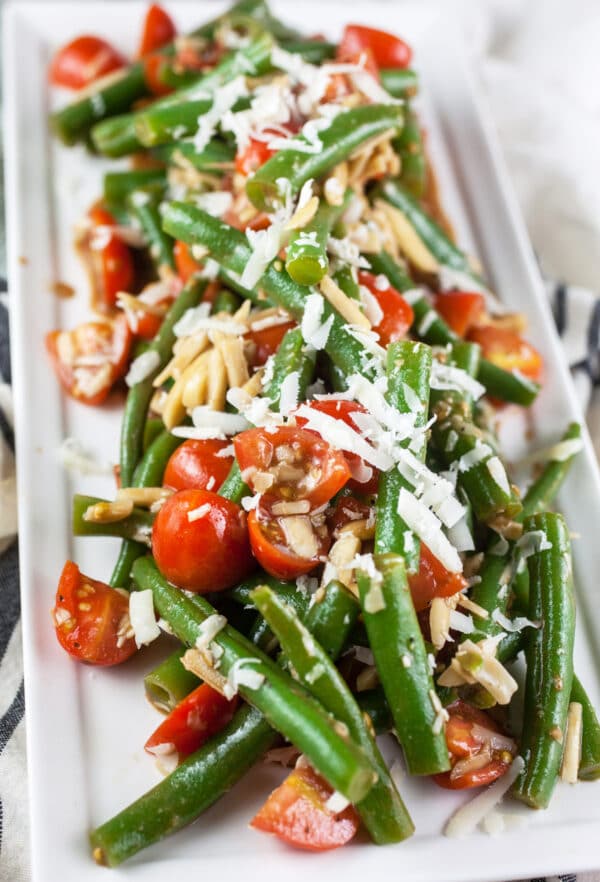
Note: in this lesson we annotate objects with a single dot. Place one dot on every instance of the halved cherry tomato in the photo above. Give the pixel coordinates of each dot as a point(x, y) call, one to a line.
point(397, 313)
point(153, 74)
point(210, 551)
point(342, 409)
point(433, 580)
point(198, 717)
point(82, 61)
point(252, 157)
point(267, 341)
point(472, 735)
point(92, 619)
point(287, 547)
point(110, 259)
point(460, 309)
point(294, 463)
point(198, 465)
point(187, 265)
point(89, 359)
point(157, 31)
point(296, 812)
point(388, 51)
point(508, 350)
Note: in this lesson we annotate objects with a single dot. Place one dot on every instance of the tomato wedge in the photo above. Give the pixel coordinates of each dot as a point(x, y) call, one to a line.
point(92, 619)
point(154, 67)
point(157, 31)
point(198, 465)
point(267, 341)
point(82, 61)
point(91, 358)
point(397, 313)
point(433, 580)
point(200, 715)
point(296, 812)
point(462, 310)
point(186, 264)
point(387, 50)
point(110, 259)
point(252, 157)
point(200, 542)
point(508, 350)
point(290, 464)
point(287, 547)
point(479, 752)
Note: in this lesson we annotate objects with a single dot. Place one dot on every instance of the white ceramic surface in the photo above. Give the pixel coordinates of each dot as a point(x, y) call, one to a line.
point(86, 728)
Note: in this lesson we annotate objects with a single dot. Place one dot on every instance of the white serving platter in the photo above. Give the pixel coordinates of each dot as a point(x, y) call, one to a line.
point(86, 727)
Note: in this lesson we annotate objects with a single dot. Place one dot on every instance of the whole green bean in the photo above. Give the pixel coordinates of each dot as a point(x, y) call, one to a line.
point(144, 205)
point(402, 664)
point(216, 158)
point(545, 488)
point(118, 186)
point(138, 525)
point(409, 146)
point(306, 257)
point(382, 809)
point(589, 767)
point(169, 682)
point(549, 656)
point(335, 604)
point(290, 357)
point(400, 82)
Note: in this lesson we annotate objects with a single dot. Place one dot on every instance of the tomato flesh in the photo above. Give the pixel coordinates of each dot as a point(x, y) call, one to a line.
point(461, 310)
point(252, 157)
point(198, 717)
point(276, 550)
point(186, 264)
point(89, 359)
point(157, 31)
point(84, 60)
point(433, 580)
point(267, 341)
point(508, 350)
point(211, 552)
point(296, 813)
point(398, 315)
point(92, 619)
point(197, 464)
point(387, 50)
point(110, 258)
point(154, 66)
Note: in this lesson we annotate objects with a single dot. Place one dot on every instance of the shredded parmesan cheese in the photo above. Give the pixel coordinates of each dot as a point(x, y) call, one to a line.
point(142, 618)
point(466, 819)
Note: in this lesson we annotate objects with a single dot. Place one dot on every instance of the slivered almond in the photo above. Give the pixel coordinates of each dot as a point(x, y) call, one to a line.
point(303, 215)
point(217, 381)
point(388, 238)
point(196, 662)
point(473, 607)
point(341, 553)
point(294, 507)
point(476, 663)
point(242, 315)
point(367, 147)
point(232, 352)
point(363, 529)
point(196, 386)
point(346, 307)
point(335, 185)
point(262, 481)
point(409, 241)
point(108, 512)
point(128, 301)
point(367, 679)
point(571, 759)
point(174, 409)
point(300, 536)
point(439, 621)
point(144, 497)
point(157, 401)
point(186, 349)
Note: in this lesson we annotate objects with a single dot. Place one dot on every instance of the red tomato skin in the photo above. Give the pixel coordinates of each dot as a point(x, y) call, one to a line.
point(432, 580)
point(252, 157)
point(508, 350)
point(153, 68)
point(204, 555)
point(277, 559)
point(112, 265)
point(476, 778)
point(267, 341)
point(398, 315)
point(186, 265)
point(295, 812)
point(198, 717)
point(96, 615)
point(157, 31)
point(461, 310)
point(347, 510)
point(388, 50)
point(195, 464)
point(257, 449)
point(82, 61)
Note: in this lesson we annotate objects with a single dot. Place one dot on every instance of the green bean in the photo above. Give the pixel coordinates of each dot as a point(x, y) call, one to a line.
point(409, 146)
point(589, 767)
point(506, 385)
point(118, 186)
point(290, 357)
point(382, 809)
point(288, 590)
point(226, 301)
point(144, 205)
point(544, 489)
point(153, 428)
point(247, 294)
point(347, 131)
point(169, 682)
point(373, 702)
point(286, 706)
point(234, 487)
point(344, 277)
point(312, 51)
point(138, 525)
point(402, 664)
point(549, 656)
point(408, 377)
point(306, 258)
point(400, 82)
point(216, 158)
point(334, 604)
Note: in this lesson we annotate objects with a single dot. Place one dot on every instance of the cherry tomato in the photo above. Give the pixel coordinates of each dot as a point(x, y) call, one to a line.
point(472, 734)
point(267, 341)
point(82, 61)
point(287, 547)
point(397, 313)
point(296, 812)
point(294, 463)
point(153, 75)
point(91, 358)
point(210, 552)
point(186, 264)
point(388, 51)
point(341, 409)
point(433, 580)
point(157, 31)
point(508, 350)
point(252, 157)
point(110, 259)
point(198, 465)
point(92, 619)
point(198, 717)
point(460, 309)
